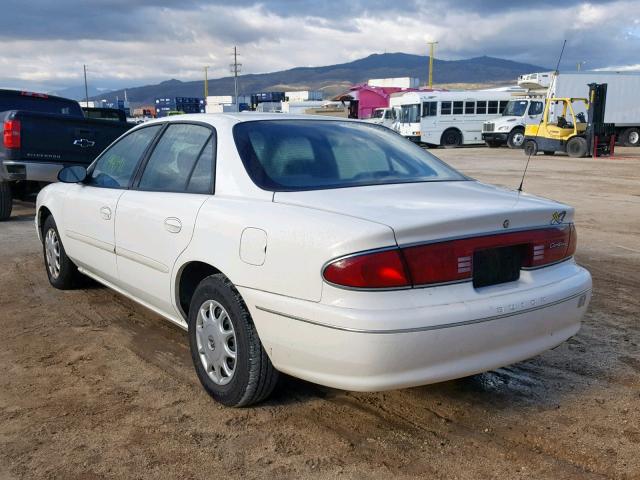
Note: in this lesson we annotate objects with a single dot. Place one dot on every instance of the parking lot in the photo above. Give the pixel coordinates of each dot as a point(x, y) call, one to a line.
point(94, 386)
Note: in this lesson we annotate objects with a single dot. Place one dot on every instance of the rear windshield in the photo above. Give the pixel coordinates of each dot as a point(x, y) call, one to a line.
point(41, 105)
point(291, 155)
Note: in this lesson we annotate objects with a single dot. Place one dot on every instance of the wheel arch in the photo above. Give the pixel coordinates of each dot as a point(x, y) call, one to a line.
point(42, 215)
point(188, 277)
point(449, 129)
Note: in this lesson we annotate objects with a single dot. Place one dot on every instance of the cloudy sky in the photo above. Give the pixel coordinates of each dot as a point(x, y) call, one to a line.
point(44, 43)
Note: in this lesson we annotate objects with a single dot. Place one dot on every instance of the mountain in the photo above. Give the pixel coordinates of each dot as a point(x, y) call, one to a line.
point(335, 78)
point(76, 92)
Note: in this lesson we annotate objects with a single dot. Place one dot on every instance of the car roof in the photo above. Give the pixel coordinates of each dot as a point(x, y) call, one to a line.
point(233, 118)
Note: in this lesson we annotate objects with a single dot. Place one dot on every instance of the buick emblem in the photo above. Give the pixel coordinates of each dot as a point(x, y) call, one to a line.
point(506, 223)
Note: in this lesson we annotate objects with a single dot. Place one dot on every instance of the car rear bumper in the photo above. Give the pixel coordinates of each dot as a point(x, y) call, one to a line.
point(327, 344)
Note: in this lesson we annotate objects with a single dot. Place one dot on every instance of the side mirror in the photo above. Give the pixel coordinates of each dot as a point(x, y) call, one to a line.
point(72, 174)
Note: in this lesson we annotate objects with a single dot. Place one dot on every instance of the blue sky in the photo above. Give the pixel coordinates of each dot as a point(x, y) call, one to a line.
point(127, 43)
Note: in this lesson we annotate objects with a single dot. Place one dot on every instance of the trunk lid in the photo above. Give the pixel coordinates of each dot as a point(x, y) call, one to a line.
point(428, 211)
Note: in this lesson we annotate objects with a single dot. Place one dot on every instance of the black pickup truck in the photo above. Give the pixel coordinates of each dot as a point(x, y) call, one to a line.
point(42, 134)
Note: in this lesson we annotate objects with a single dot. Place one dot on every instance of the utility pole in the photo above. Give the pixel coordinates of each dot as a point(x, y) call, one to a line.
point(432, 48)
point(86, 89)
point(235, 69)
point(206, 83)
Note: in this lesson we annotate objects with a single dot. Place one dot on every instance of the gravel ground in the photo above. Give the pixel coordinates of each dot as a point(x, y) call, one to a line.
point(94, 386)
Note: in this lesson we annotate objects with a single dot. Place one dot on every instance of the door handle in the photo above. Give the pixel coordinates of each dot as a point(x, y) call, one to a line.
point(105, 213)
point(172, 224)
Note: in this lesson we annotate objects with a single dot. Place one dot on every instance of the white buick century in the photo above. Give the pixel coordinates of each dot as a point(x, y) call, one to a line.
point(331, 250)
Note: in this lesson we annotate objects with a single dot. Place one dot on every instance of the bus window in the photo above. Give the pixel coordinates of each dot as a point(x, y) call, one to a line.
point(429, 109)
point(457, 108)
point(503, 105)
point(536, 108)
point(445, 108)
point(410, 113)
point(469, 108)
point(493, 107)
point(481, 107)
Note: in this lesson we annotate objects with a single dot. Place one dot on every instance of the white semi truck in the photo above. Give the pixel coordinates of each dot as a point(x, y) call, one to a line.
point(622, 107)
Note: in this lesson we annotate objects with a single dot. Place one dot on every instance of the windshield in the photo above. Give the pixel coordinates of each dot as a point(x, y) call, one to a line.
point(377, 114)
point(410, 113)
point(515, 108)
point(292, 155)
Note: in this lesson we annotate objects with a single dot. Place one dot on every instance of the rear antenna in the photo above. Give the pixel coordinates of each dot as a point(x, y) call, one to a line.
point(555, 74)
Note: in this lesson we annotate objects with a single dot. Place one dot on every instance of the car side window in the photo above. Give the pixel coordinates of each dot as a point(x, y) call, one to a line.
point(116, 166)
point(174, 158)
point(201, 180)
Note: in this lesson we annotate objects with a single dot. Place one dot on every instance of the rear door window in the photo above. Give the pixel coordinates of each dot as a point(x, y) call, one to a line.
point(174, 158)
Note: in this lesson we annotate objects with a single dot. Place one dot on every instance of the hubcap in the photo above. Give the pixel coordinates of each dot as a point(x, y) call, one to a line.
point(518, 138)
point(52, 253)
point(634, 137)
point(216, 342)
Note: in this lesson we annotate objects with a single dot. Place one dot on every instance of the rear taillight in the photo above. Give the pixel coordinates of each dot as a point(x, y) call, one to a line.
point(450, 261)
point(11, 134)
point(371, 270)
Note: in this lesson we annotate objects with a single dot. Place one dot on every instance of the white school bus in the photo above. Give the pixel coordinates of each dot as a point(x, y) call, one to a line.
point(446, 118)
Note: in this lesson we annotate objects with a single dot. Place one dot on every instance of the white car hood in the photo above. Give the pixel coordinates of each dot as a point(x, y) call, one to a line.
point(427, 211)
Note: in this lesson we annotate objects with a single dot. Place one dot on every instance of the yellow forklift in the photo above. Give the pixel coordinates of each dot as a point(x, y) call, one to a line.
point(574, 126)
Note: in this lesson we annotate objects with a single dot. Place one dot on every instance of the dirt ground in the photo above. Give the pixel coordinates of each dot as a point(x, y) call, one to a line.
point(94, 386)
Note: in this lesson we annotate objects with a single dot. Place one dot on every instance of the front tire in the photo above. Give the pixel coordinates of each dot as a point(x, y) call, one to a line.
point(515, 138)
point(61, 271)
point(530, 147)
point(229, 358)
point(577, 147)
point(451, 138)
point(6, 200)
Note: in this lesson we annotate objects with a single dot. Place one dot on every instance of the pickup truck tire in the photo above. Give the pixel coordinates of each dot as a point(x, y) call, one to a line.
point(631, 137)
point(516, 138)
point(577, 147)
point(61, 271)
point(6, 200)
point(229, 358)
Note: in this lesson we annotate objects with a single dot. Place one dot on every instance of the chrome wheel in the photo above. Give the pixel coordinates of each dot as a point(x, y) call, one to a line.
point(216, 342)
point(52, 253)
point(633, 137)
point(518, 139)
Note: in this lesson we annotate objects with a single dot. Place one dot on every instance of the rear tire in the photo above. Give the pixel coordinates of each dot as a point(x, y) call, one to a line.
point(577, 147)
point(6, 200)
point(530, 147)
point(631, 137)
point(451, 138)
point(516, 138)
point(61, 271)
point(229, 358)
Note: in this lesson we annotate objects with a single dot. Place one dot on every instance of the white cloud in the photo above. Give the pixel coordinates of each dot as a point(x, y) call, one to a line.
point(148, 43)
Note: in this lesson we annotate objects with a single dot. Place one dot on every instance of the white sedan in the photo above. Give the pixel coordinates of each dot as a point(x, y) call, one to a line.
point(331, 250)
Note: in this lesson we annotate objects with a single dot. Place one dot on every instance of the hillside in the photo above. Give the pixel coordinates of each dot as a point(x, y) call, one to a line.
point(334, 78)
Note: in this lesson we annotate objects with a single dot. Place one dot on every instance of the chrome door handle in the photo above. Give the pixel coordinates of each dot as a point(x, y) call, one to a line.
point(105, 213)
point(172, 224)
